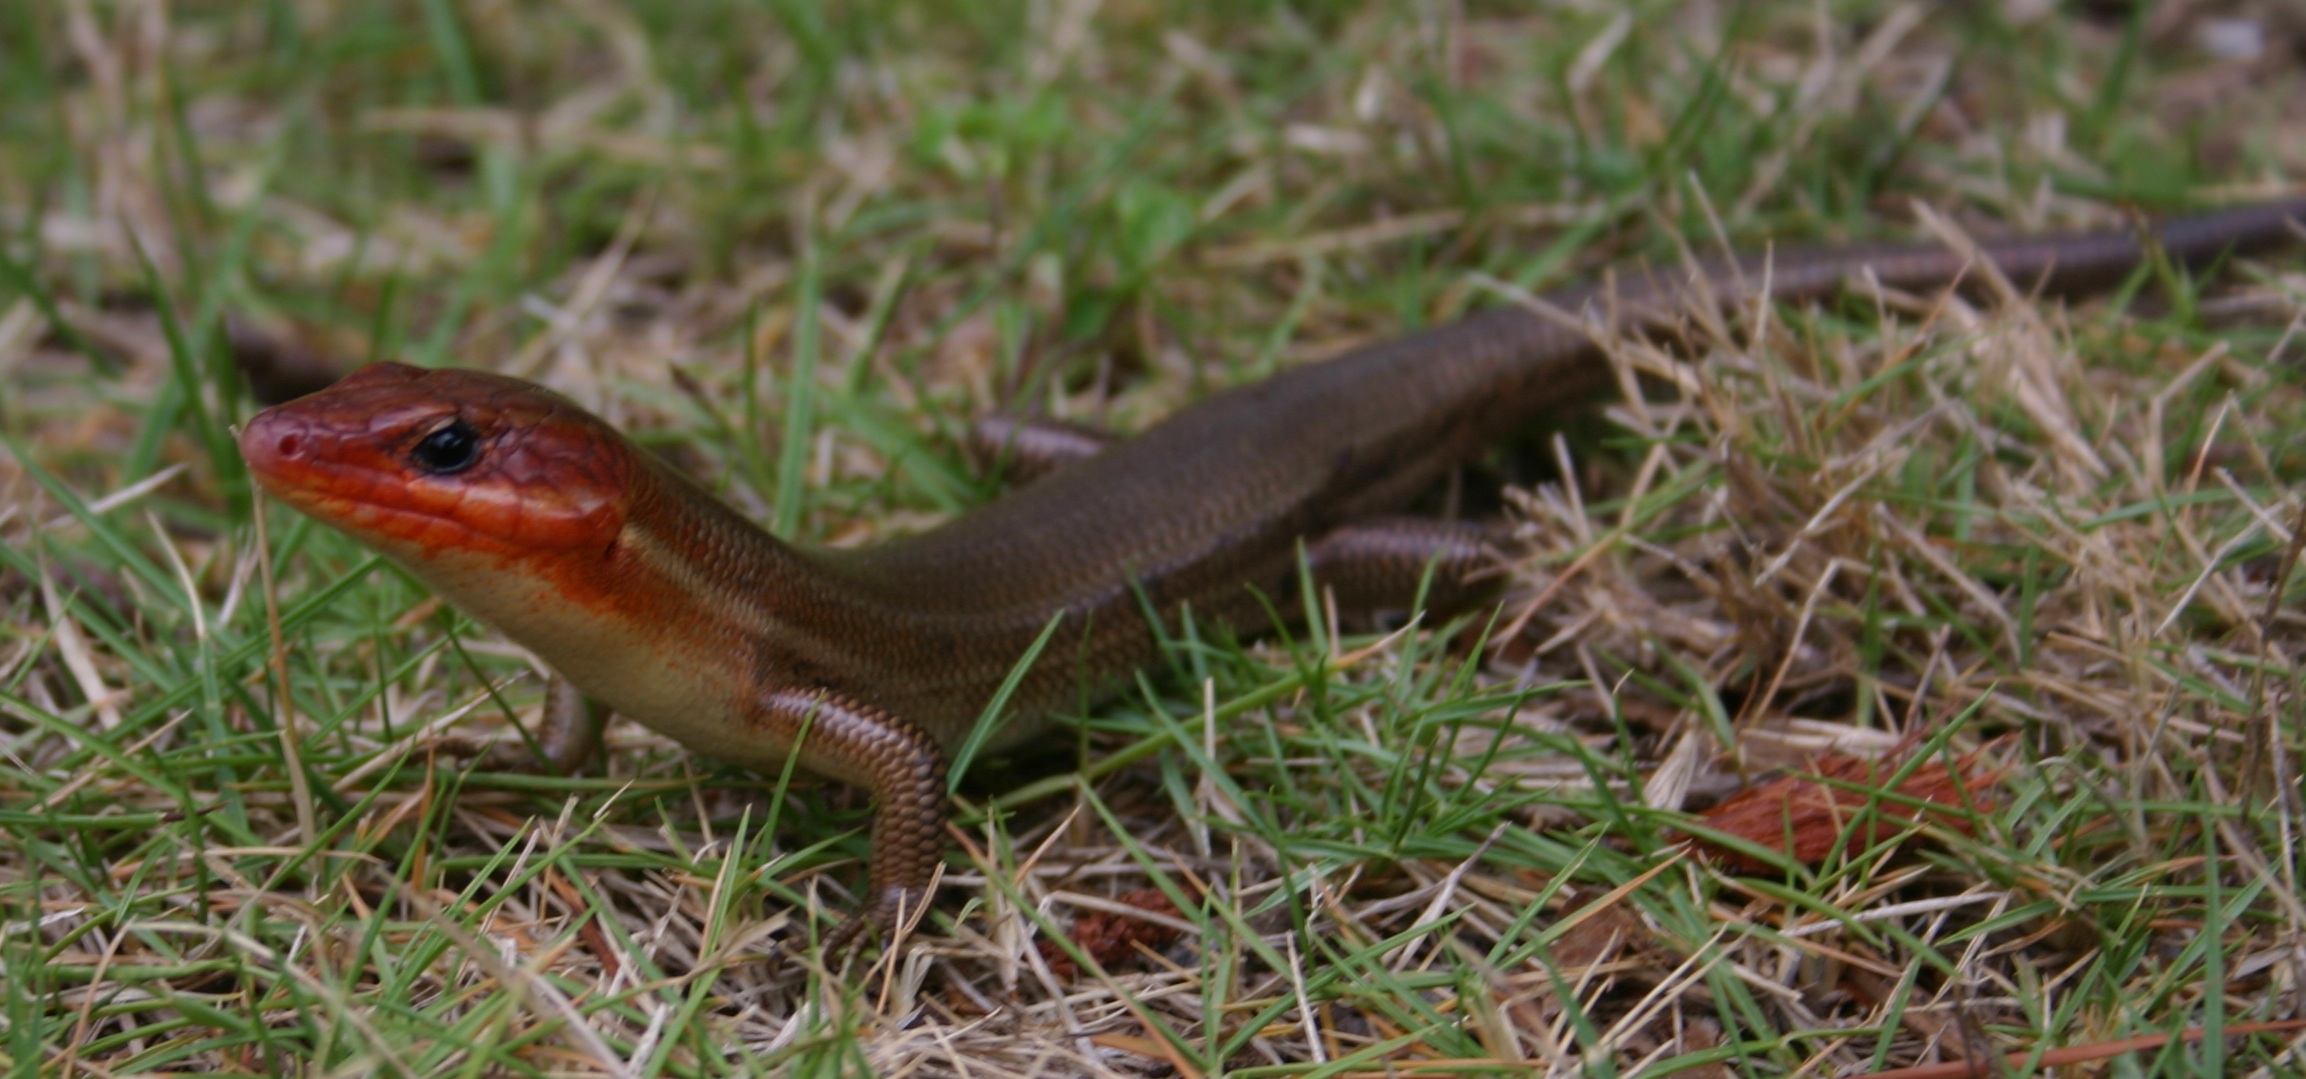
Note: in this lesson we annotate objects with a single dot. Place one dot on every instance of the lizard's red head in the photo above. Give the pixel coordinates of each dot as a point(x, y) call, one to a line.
point(420, 463)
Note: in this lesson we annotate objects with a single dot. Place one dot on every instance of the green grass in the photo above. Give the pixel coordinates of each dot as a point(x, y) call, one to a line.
point(2056, 534)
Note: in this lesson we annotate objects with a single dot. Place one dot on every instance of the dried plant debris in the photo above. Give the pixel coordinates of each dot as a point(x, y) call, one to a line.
point(1112, 937)
point(1843, 806)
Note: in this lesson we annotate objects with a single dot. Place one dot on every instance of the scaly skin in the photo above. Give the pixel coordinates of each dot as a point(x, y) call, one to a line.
point(654, 598)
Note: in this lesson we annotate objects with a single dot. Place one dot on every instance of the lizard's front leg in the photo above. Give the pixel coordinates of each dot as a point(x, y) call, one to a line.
point(901, 765)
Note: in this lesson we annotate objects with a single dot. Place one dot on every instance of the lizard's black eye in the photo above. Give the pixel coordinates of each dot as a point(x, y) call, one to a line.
point(451, 449)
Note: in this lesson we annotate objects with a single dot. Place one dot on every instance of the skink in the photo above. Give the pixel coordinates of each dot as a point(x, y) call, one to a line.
point(654, 598)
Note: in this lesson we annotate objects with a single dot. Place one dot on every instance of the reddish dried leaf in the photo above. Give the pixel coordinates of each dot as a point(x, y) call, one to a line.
point(1808, 814)
point(1110, 938)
